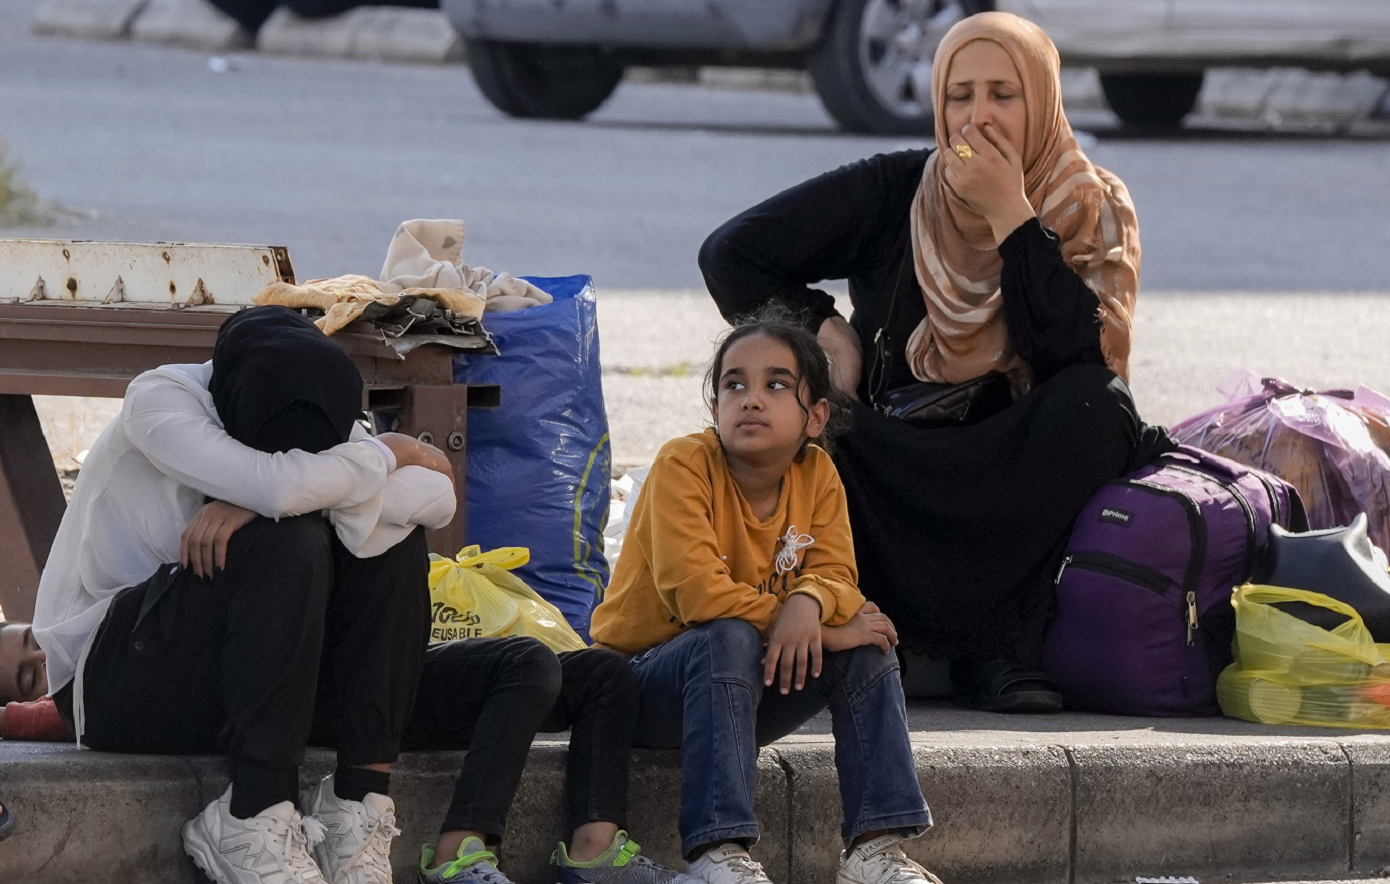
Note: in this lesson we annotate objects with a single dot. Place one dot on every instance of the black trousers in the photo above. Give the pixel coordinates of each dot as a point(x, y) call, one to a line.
point(492, 695)
point(295, 636)
point(298, 642)
point(957, 531)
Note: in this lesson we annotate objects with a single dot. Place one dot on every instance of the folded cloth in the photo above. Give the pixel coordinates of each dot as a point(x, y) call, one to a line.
point(425, 259)
point(344, 298)
point(429, 254)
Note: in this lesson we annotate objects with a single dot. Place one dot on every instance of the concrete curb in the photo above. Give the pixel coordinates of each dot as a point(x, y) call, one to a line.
point(88, 19)
point(370, 33)
point(1009, 806)
point(194, 24)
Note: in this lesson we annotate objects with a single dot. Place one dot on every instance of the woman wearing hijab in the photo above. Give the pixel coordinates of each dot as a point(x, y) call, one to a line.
point(196, 600)
point(1003, 250)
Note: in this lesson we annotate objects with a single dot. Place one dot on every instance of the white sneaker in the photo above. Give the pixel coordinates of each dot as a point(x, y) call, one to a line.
point(271, 847)
point(357, 848)
point(881, 861)
point(727, 864)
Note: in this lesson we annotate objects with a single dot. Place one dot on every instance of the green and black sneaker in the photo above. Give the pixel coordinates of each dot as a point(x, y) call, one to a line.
point(475, 864)
point(621, 863)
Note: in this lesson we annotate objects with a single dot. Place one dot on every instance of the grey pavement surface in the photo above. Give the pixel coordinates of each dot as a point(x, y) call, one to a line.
point(328, 156)
point(1260, 250)
point(1069, 798)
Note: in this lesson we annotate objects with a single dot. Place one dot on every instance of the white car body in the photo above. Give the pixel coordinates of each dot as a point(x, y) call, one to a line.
point(1339, 34)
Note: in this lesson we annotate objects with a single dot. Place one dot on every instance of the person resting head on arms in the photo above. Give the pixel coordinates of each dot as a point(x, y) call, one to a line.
point(267, 594)
point(197, 600)
point(736, 597)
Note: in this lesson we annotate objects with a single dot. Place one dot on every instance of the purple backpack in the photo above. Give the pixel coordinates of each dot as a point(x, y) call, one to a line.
point(1144, 622)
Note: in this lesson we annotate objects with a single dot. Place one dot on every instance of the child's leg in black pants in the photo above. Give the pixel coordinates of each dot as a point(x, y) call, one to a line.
point(598, 703)
point(487, 695)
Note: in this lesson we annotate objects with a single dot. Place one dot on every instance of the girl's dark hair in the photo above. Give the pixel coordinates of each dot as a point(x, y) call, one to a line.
point(775, 320)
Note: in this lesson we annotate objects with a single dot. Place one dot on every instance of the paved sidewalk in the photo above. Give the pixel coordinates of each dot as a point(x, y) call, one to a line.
point(655, 347)
point(1066, 799)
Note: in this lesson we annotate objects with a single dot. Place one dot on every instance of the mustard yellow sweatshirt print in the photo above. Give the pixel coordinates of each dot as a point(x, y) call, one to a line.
point(695, 551)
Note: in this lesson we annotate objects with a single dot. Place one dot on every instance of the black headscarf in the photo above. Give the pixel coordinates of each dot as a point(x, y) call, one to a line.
point(279, 383)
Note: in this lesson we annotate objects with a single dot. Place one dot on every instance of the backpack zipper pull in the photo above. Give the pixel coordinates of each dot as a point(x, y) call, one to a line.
point(1191, 616)
point(1057, 581)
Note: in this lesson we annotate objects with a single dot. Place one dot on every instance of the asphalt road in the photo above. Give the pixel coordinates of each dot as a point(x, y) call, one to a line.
point(327, 158)
point(1270, 251)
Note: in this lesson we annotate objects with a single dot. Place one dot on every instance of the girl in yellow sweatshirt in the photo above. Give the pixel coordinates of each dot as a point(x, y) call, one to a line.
point(736, 595)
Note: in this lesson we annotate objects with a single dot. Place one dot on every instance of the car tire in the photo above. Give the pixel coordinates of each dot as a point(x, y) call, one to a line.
point(1151, 101)
point(543, 82)
point(872, 69)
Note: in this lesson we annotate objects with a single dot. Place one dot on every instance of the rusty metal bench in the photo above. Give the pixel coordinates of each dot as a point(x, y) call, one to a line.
point(76, 348)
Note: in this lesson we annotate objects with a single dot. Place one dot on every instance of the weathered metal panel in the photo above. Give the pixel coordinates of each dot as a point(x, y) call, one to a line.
point(170, 274)
point(675, 24)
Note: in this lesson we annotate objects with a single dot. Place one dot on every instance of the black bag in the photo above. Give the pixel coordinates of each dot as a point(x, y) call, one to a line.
point(1337, 562)
point(930, 405)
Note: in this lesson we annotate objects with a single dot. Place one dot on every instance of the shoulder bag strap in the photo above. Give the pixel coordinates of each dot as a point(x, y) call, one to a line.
point(881, 368)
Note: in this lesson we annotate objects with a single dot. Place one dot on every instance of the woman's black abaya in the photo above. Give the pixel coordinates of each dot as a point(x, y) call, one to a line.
point(957, 531)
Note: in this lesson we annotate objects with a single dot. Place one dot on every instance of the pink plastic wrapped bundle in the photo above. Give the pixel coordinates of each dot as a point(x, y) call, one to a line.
point(1333, 446)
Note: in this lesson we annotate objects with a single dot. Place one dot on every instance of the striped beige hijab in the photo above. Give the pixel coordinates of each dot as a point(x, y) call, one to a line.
point(963, 335)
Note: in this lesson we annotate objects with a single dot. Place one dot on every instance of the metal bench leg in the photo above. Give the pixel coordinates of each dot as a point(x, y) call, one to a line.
point(439, 415)
point(31, 504)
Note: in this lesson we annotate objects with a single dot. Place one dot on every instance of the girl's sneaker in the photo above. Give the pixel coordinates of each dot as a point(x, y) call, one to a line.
point(881, 861)
point(621, 863)
point(728, 864)
point(475, 864)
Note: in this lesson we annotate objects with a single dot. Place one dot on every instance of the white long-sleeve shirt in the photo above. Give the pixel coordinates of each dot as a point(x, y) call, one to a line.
point(148, 474)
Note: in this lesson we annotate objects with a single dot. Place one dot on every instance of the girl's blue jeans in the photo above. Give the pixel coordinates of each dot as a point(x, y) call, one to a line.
point(703, 691)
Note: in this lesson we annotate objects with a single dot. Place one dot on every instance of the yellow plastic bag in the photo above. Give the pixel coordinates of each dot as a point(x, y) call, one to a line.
point(477, 596)
point(1288, 671)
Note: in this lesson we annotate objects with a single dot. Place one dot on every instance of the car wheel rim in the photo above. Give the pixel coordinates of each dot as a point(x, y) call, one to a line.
point(897, 42)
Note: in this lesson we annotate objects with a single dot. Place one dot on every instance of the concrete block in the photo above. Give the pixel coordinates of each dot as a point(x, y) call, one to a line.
point(421, 36)
point(1236, 93)
point(78, 811)
point(1370, 790)
point(1322, 98)
point(89, 19)
point(195, 24)
point(654, 814)
point(1000, 814)
point(1239, 809)
point(379, 33)
point(763, 79)
point(285, 33)
point(423, 783)
point(1081, 90)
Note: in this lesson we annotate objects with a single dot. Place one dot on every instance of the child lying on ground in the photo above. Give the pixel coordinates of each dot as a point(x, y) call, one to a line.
point(736, 592)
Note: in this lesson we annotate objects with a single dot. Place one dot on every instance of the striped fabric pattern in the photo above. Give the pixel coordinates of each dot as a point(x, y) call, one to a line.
point(958, 266)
